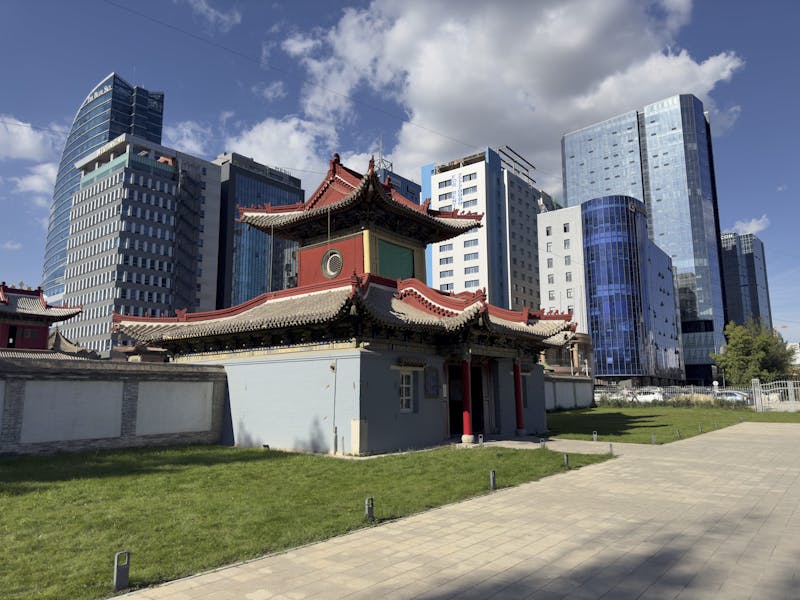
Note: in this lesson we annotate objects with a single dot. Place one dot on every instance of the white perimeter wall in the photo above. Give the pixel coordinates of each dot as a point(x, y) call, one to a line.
point(71, 410)
point(173, 407)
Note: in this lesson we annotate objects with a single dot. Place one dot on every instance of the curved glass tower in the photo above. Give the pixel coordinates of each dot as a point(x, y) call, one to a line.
point(112, 108)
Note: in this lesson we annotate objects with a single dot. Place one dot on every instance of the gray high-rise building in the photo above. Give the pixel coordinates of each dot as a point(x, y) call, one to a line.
point(252, 262)
point(662, 155)
point(112, 108)
point(745, 273)
point(143, 237)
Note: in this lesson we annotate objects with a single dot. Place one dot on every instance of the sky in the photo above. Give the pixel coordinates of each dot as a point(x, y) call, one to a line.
point(289, 83)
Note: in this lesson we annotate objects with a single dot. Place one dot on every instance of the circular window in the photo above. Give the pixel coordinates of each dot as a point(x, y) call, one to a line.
point(332, 263)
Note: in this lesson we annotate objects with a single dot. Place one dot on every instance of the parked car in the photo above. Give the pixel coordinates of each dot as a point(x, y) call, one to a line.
point(649, 395)
point(733, 396)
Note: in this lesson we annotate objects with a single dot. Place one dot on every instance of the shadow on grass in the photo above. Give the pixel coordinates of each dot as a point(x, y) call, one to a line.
point(119, 463)
point(585, 422)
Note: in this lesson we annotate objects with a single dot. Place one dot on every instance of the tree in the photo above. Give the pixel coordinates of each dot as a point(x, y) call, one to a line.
point(753, 351)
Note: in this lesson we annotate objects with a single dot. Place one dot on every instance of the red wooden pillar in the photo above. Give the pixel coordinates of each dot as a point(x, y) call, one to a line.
point(466, 395)
point(518, 398)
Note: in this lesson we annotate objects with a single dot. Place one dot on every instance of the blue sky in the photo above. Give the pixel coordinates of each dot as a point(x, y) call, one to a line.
point(291, 82)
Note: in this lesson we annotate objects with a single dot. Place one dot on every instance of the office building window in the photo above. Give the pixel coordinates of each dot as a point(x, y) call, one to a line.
point(446, 260)
point(566, 244)
point(471, 256)
point(548, 230)
point(566, 227)
point(445, 247)
point(567, 260)
point(470, 243)
point(568, 276)
point(471, 270)
point(551, 295)
point(551, 278)
point(549, 263)
point(471, 283)
point(444, 184)
point(446, 287)
point(469, 177)
point(549, 247)
point(569, 292)
point(448, 273)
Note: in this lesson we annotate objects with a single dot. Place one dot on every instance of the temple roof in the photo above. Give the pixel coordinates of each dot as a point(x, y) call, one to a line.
point(340, 196)
point(407, 305)
point(21, 304)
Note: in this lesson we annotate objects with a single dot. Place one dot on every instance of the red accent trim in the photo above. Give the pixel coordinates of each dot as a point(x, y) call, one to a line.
point(456, 302)
point(466, 396)
point(518, 395)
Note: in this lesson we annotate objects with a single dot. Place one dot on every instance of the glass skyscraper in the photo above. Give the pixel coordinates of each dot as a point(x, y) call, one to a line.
point(663, 156)
point(252, 262)
point(112, 108)
point(745, 272)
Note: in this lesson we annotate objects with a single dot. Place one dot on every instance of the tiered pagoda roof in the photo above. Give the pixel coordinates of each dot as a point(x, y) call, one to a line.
point(30, 305)
point(347, 198)
point(367, 306)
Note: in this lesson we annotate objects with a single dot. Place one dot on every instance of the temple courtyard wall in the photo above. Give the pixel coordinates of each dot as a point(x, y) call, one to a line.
point(74, 405)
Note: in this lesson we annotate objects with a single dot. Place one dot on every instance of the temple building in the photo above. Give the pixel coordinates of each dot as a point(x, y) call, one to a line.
point(25, 320)
point(362, 357)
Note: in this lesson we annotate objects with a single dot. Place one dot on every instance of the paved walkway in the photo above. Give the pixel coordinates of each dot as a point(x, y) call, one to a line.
point(714, 516)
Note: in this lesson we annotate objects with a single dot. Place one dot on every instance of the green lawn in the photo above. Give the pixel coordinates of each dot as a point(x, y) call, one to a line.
point(183, 510)
point(638, 424)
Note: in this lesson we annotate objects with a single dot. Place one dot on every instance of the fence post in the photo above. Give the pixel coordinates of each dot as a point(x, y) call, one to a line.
point(757, 402)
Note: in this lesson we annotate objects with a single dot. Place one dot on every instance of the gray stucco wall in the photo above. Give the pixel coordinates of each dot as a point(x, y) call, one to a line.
point(535, 415)
point(389, 428)
point(505, 402)
point(302, 401)
point(567, 392)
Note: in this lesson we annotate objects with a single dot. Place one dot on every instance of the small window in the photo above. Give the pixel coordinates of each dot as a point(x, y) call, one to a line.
point(469, 177)
point(549, 263)
point(551, 279)
point(471, 283)
point(448, 273)
point(471, 270)
point(445, 247)
point(446, 207)
point(470, 243)
point(568, 276)
point(471, 256)
point(566, 227)
point(566, 244)
point(406, 391)
point(470, 203)
point(549, 247)
point(551, 295)
point(473, 189)
point(446, 196)
point(569, 292)
point(444, 184)
point(548, 230)
point(567, 260)
point(446, 287)
point(446, 260)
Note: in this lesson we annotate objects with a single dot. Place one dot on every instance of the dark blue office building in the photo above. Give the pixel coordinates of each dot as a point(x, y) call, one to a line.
point(252, 262)
point(630, 294)
point(112, 108)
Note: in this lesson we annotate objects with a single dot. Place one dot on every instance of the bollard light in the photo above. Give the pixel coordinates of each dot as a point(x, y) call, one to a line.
point(677, 433)
point(566, 460)
point(700, 428)
point(369, 508)
point(594, 436)
point(653, 439)
point(122, 566)
point(492, 480)
point(611, 449)
point(542, 444)
point(480, 439)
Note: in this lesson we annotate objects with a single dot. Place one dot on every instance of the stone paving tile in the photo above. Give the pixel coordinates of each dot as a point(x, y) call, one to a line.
point(714, 516)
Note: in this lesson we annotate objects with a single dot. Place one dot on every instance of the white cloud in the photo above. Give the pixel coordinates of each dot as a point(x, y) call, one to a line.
point(752, 226)
point(224, 21)
point(190, 137)
point(561, 65)
point(19, 140)
point(11, 245)
point(290, 143)
point(270, 92)
point(298, 45)
point(782, 188)
point(40, 179)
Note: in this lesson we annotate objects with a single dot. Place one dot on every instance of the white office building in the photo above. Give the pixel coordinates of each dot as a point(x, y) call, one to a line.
point(500, 256)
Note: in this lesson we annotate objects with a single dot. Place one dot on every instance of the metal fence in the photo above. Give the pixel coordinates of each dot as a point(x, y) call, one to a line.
point(777, 396)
